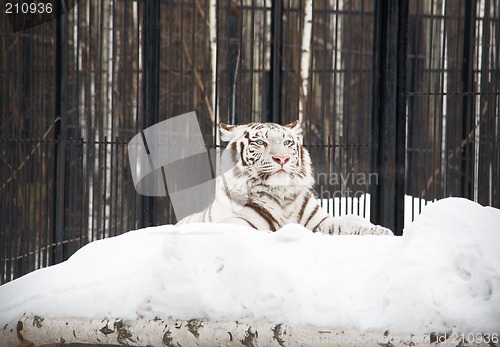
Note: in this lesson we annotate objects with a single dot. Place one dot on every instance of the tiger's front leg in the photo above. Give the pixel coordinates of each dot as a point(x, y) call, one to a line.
point(351, 225)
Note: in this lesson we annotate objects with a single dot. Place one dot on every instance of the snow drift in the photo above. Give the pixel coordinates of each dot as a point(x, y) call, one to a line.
point(442, 275)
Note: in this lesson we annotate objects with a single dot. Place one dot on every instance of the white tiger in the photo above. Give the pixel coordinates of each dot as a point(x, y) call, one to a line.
point(270, 184)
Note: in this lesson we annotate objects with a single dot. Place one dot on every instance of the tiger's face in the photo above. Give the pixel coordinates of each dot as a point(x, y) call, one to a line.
point(268, 153)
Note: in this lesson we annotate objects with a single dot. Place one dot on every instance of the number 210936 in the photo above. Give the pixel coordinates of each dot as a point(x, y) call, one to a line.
point(28, 7)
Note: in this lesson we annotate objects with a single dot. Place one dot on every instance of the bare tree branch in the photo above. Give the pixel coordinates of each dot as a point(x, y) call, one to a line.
point(36, 330)
point(305, 58)
point(44, 137)
point(199, 80)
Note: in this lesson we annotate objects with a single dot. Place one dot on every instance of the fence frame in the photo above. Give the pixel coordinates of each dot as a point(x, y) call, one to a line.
point(150, 89)
point(389, 115)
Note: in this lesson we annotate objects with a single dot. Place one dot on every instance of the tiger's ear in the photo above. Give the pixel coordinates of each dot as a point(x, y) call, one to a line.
point(296, 128)
point(227, 132)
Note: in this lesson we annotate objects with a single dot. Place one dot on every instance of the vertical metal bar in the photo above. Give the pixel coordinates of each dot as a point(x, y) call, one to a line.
point(467, 151)
point(252, 91)
point(233, 57)
point(243, 92)
point(49, 221)
point(402, 42)
point(389, 113)
point(443, 114)
point(103, 147)
point(266, 112)
point(60, 135)
point(425, 133)
point(437, 118)
point(137, 203)
point(376, 191)
point(486, 119)
point(401, 100)
point(276, 38)
point(401, 115)
point(495, 81)
point(80, 190)
point(150, 87)
point(336, 76)
point(114, 115)
point(23, 238)
point(4, 237)
point(182, 71)
point(286, 63)
point(126, 214)
point(346, 119)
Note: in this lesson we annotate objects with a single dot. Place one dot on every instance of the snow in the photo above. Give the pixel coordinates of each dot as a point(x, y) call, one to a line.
point(442, 275)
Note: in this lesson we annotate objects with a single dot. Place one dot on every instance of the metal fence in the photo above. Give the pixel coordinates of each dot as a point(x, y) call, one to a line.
point(396, 97)
point(453, 72)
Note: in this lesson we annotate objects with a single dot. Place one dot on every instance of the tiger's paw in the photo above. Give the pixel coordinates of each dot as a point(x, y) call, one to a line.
point(374, 230)
point(356, 225)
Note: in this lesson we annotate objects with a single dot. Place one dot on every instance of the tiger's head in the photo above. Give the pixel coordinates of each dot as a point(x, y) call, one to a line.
point(268, 154)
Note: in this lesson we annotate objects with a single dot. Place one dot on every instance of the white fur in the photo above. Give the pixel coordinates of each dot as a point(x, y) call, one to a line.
point(260, 192)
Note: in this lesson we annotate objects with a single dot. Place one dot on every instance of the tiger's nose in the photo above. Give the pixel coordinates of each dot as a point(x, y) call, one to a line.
point(282, 160)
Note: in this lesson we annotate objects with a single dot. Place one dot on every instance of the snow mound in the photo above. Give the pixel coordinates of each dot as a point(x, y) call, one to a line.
point(443, 275)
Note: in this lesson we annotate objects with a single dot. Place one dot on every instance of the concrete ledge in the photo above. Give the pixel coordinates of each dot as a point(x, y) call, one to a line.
point(170, 332)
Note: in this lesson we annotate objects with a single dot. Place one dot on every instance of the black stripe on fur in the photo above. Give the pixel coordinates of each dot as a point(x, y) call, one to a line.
point(312, 215)
point(264, 214)
point(249, 223)
point(303, 207)
point(315, 229)
point(242, 148)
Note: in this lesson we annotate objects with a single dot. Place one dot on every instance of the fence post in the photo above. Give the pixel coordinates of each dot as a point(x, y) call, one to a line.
point(276, 63)
point(389, 113)
point(233, 59)
point(150, 88)
point(468, 127)
point(60, 134)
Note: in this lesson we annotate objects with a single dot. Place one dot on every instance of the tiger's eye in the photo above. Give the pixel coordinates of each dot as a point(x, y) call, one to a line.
point(260, 142)
point(286, 142)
